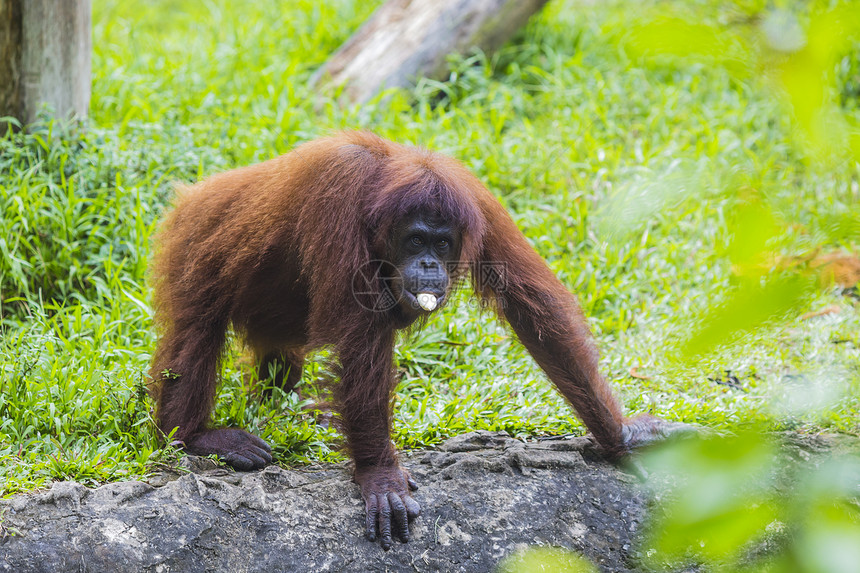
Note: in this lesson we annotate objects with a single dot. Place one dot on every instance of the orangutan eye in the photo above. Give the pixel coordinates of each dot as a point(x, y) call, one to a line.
point(442, 244)
point(416, 240)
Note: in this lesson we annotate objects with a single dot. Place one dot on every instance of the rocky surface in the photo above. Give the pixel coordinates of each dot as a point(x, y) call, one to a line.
point(483, 496)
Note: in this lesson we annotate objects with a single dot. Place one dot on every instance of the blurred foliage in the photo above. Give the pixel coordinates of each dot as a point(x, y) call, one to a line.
point(545, 560)
point(736, 506)
point(798, 53)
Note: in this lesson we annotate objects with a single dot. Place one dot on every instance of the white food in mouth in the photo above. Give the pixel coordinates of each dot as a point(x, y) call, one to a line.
point(426, 301)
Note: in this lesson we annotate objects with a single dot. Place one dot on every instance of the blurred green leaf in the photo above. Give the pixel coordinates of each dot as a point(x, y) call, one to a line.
point(678, 37)
point(545, 560)
point(717, 537)
point(753, 226)
point(806, 76)
point(723, 501)
point(830, 543)
point(746, 307)
point(731, 493)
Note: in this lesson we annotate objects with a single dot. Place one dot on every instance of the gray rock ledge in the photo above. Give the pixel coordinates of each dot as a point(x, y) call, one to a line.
point(483, 496)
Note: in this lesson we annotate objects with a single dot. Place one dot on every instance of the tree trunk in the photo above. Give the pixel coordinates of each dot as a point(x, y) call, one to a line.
point(45, 48)
point(406, 39)
point(10, 58)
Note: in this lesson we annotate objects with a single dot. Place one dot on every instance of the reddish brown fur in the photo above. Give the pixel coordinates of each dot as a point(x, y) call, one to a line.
point(271, 248)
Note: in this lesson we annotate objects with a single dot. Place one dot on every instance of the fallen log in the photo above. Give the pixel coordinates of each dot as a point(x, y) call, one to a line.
point(408, 39)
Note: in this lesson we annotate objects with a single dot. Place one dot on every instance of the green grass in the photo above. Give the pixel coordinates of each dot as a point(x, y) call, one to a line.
point(630, 175)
